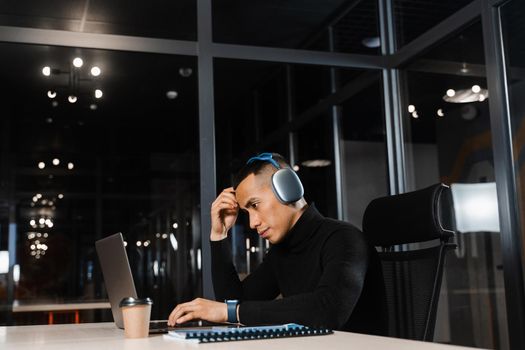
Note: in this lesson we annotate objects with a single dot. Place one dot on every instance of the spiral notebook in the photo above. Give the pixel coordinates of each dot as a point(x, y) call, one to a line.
point(222, 334)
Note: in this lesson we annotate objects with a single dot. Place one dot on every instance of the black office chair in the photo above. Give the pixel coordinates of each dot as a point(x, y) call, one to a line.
point(412, 276)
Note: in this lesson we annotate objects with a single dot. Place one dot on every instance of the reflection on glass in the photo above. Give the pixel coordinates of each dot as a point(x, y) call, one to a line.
point(300, 25)
point(413, 18)
point(512, 14)
point(77, 174)
point(364, 146)
point(450, 141)
point(166, 19)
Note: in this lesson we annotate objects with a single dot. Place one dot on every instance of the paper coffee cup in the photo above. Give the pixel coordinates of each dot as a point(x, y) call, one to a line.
point(136, 315)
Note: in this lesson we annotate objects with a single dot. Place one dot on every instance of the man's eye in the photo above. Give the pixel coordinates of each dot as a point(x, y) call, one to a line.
point(254, 205)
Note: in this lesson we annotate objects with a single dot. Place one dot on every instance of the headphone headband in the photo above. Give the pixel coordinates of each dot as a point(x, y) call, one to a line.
point(264, 157)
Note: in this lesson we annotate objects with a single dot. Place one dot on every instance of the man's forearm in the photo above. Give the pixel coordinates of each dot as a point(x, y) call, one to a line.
point(225, 279)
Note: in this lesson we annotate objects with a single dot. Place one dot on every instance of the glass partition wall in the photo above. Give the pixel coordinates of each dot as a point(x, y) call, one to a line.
point(448, 139)
point(93, 150)
point(358, 88)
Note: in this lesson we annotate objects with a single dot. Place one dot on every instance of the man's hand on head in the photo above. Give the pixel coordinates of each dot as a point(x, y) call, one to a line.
point(224, 211)
point(199, 309)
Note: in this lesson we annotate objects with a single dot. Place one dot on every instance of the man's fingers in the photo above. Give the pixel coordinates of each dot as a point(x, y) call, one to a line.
point(188, 317)
point(225, 203)
point(180, 310)
point(225, 194)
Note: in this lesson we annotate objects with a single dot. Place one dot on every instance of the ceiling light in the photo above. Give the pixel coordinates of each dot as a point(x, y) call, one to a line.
point(466, 96)
point(70, 166)
point(185, 72)
point(411, 108)
point(372, 42)
point(46, 71)
point(72, 99)
point(98, 93)
point(476, 89)
point(171, 94)
point(440, 113)
point(173, 241)
point(41, 221)
point(296, 167)
point(316, 163)
point(95, 71)
point(60, 196)
point(56, 161)
point(93, 106)
point(464, 68)
point(175, 225)
point(415, 115)
point(51, 94)
point(451, 92)
point(38, 195)
point(77, 62)
point(41, 165)
point(49, 120)
point(139, 243)
point(32, 222)
point(54, 103)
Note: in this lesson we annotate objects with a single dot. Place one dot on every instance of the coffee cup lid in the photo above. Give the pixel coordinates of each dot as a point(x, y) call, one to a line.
point(130, 301)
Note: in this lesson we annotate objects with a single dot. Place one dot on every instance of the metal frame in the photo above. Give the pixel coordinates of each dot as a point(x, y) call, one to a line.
point(96, 41)
point(441, 31)
point(393, 116)
point(505, 171)
point(206, 138)
point(389, 63)
point(336, 133)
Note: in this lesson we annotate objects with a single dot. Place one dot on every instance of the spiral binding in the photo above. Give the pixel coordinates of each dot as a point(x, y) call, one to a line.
point(250, 334)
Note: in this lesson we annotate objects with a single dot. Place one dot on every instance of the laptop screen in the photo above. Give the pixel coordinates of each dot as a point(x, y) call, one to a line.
point(116, 272)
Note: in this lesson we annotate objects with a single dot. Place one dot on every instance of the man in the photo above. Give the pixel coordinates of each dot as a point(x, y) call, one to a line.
point(325, 271)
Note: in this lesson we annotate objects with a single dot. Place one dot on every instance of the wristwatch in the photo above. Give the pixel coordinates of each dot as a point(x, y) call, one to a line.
point(231, 304)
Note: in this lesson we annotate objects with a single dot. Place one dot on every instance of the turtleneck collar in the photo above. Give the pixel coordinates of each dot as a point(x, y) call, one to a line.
point(303, 228)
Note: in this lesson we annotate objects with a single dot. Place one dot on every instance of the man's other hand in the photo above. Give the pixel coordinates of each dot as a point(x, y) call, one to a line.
point(224, 211)
point(199, 309)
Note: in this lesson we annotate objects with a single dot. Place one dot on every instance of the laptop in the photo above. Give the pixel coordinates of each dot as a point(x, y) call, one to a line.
point(119, 282)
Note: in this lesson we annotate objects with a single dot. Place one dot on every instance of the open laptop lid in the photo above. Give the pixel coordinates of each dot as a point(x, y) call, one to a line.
point(116, 272)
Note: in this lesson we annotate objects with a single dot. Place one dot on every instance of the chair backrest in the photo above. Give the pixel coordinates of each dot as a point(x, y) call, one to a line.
point(412, 276)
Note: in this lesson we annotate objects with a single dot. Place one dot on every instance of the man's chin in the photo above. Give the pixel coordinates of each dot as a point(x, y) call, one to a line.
point(275, 240)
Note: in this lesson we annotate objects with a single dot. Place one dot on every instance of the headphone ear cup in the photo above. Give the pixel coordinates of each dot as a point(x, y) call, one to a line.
point(287, 186)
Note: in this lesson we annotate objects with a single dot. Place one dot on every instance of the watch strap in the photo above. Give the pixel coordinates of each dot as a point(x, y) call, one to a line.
point(232, 310)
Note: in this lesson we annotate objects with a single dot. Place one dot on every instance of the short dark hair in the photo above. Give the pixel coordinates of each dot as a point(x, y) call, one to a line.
point(256, 168)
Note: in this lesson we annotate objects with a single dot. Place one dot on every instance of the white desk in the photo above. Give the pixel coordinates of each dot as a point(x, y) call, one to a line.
point(100, 336)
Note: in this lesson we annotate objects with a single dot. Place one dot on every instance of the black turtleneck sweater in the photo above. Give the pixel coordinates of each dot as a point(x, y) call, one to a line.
point(327, 273)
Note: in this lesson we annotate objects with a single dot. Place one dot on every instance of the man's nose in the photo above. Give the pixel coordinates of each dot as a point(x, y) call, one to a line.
point(254, 221)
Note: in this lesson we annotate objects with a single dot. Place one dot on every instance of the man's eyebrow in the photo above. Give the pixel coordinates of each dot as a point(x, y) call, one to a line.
point(249, 201)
